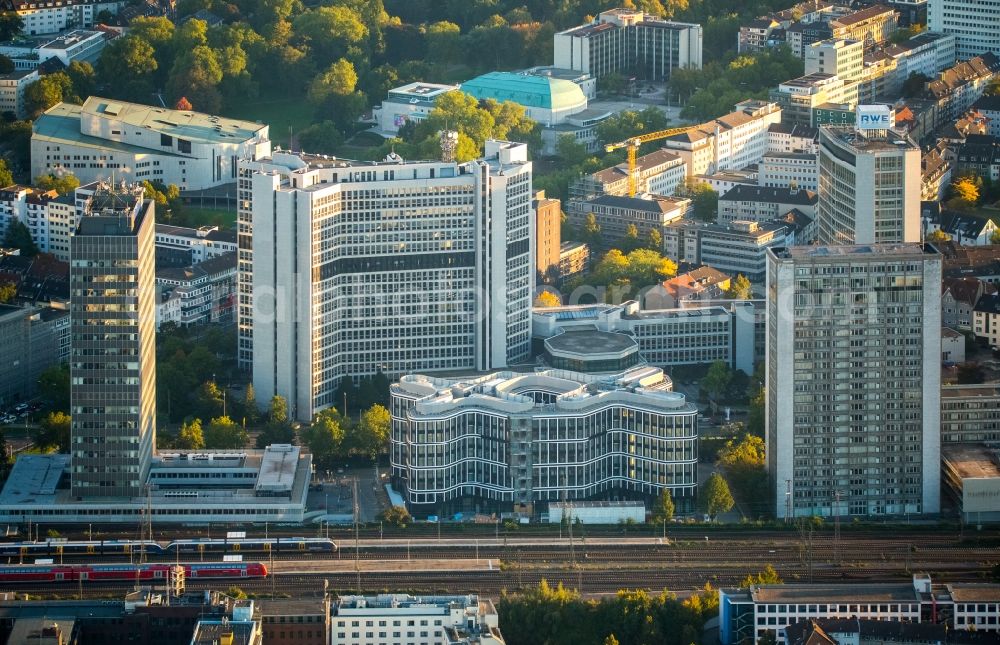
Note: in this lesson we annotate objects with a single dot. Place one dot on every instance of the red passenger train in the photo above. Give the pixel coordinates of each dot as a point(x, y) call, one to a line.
point(127, 572)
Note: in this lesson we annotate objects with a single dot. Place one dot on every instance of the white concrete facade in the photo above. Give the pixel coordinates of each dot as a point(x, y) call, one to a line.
point(414, 620)
point(105, 138)
point(789, 170)
point(841, 57)
point(350, 269)
point(975, 25)
point(12, 87)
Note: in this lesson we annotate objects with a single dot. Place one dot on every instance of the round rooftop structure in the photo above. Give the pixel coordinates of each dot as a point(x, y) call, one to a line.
point(546, 99)
point(592, 351)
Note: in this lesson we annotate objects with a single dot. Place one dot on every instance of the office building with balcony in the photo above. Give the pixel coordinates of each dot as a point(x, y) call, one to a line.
point(854, 380)
point(347, 269)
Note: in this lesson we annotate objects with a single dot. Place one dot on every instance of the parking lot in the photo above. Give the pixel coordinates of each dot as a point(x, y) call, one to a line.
point(333, 491)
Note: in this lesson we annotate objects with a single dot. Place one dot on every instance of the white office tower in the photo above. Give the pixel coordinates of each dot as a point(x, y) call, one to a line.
point(975, 25)
point(869, 186)
point(854, 380)
point(347, 269)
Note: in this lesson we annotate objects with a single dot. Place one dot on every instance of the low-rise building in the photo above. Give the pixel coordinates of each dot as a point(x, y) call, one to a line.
point(872, 25)
point(970, 414)
point(294, 621)
point(841, 57)
point(967, 228)
point(972, 474)
point(855, 631)
point(792, 137)
point(104, 138)
point(615, 215)
point(201, 293)
point(737, 249)
point(408, 103)
point(989, 108)
point(927, 54)
point(534, 426)
point(793, 170)
point(53, 16)
point(697, 334)
point(979, 156)
point(763, 204)
point(986, 320)
point(725, 180)
point(767, 610)
point(935, 175)
point(959, 297)
point(952, 346)
point(731, 142)
point(701, 285)
point(957, 88)
point(12, 87)
point(32, 339)
point(574, 258)
point(800, 97)
point(414, 620)
point(659, 173)
point(195, 245)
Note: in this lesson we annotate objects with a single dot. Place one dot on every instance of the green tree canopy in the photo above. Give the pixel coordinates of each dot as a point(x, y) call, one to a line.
point(19, 237)
point(373, 431)
point(47, 91)
point(53, 387)
point(55, 431)
point(715, 496)
point(6, 176)
point(127, 66)
point(339, 79)
point(222, 433)
point(64, 185)
point(325, 438)
point(740, 288)
point(190, 436)
point(663, 508)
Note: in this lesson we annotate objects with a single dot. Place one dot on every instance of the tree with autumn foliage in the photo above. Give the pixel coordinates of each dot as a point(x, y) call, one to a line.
point(183, 104)
point(547, 298)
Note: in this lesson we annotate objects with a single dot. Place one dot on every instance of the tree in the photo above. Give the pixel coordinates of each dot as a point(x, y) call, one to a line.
point(196, 75)
point(127, 65)
point(222, 433)
point(663, 508)
point(250, 404)
point(6, 64)
point(63, 185)
point(610, 640)
point(46, 92)
point(11, 25)
point(937, 236)
point(274, 434)
point(339, 79)
point(546, 298)
point(571, 151)
point(236, 593)
point(183, 104)
point(373, 431)
point(190, 436)
point(444, 42)
point(53, 387)
point(717, 379)
point(655, 240)
point(19, 237)
point(396, 515)
point(914, 85)
point(55, 431)
point(325, 437)
point(704, 200)
point(8, 291)
point(278, 410)
point(209, 400)
point(966, 193)
point(6, 177)
point(715, 497)
point(995, 237)
point(592, 230)
point(83, 78)
point(740, 288)
point(321, 137)
point(766, 577)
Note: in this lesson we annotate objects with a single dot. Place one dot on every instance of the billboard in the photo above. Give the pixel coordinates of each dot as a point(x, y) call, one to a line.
point(875, 117)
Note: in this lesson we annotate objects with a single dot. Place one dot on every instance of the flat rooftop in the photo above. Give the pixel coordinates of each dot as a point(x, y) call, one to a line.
point(972, 461)
point(850, 137)
point(61, 123)
point(71, 39)
point(991, 390)
point(835, 593)
point(591, 341)
point(974, 592)
point(846, 251)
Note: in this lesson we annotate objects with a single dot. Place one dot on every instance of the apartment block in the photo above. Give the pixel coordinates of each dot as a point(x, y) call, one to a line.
point(204, 292)
point(627, 41)
point(792, 170)
point(52, 16)
point(347, 269)
point(872, 25)
point(764, 204)
point(800, 97)
point(12, 87)
point(737, 249)
point(658, 173)
point(615, 215)
point(548, 221)
point(848, 435)
point(957, 88)
point(32, 339)
point(414, 620)
point(869, 187)
point(927, 53)
point(970, 414)
point(104, 138)
point(731, 142)
point(793, 137)
point(839, 57)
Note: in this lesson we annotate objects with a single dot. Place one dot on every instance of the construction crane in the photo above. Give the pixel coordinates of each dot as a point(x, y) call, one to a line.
point(633, 143)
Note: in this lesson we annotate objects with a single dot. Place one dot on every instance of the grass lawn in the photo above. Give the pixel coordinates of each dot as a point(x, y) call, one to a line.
point(195, 216)
point(279, 113)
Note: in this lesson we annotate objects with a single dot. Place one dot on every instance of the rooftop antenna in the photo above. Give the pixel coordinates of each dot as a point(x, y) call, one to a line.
point(449, 143)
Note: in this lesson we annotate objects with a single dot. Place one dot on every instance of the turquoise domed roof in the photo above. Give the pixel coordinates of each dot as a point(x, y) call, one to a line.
point(528, 90)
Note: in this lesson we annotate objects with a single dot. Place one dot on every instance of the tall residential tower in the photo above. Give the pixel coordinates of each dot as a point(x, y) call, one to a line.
point(350, 269)
point(854, 379)
point(113, 355)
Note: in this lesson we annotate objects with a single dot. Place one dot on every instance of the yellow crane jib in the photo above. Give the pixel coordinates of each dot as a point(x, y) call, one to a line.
point(633, 144)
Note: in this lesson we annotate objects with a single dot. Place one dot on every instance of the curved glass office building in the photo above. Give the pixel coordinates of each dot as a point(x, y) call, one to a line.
point(508, 441)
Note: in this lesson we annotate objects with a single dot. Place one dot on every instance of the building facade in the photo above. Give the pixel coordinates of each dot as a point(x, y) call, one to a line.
point(414, 620)
point(548, 221)
point(737, 249)
point(790, 170)
point(104, 139)
point(201, 293)
point(113, 366)
point(854, 380)
point(528, 439)
point(976, 27)
point(731, 142)
point(970, 414)
point(763, 204)
point(625, 40)
point(616, 215)
point(12, 87)
point(869, 187)
point(350, 269)
point(32, 339)
point(840, 57)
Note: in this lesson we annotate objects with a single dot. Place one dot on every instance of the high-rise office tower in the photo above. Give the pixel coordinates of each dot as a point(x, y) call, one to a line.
point(854, 379)
point(869, 187)
point(350, 269)
point(975, 25)
point(113, 352)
